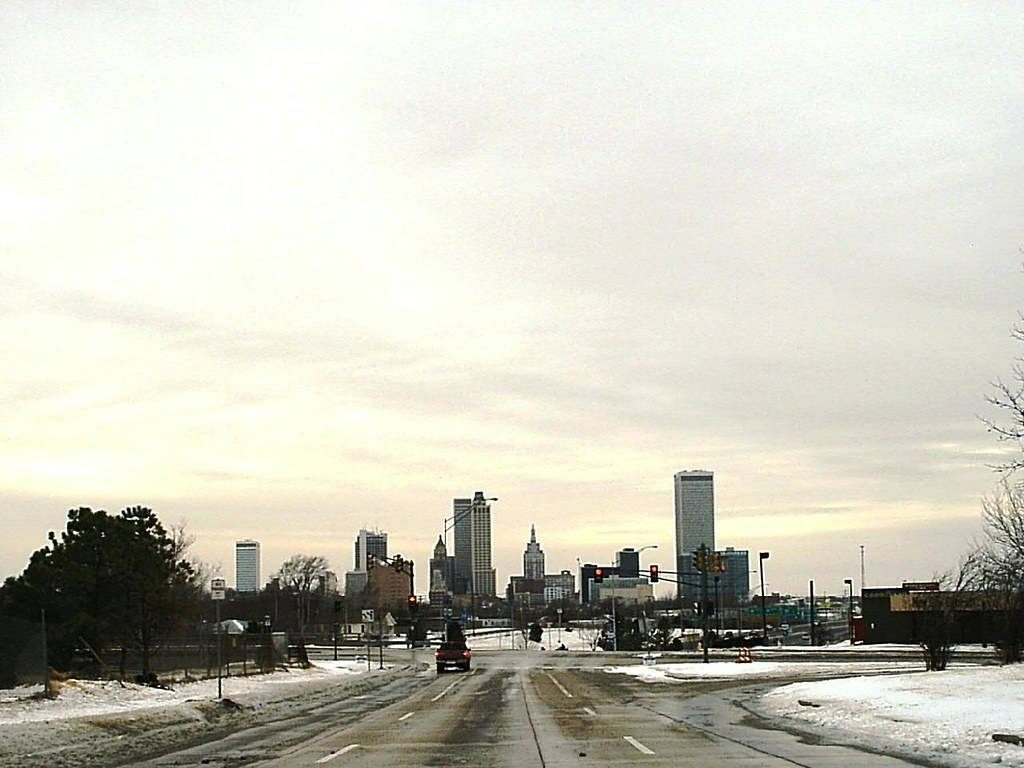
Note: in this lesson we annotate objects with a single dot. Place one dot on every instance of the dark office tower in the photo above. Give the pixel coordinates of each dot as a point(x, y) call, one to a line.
point(370, 543)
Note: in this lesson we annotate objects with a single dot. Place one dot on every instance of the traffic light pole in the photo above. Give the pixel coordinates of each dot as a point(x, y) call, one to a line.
point(704, 610)
point(659, 575)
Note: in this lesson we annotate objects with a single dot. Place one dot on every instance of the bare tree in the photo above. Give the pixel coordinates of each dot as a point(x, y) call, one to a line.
point(998, 566)
point(939, 615)
point(302, 575)
point(1008, 397)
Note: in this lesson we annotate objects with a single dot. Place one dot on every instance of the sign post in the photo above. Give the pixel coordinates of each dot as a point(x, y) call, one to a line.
point(217, 591)
point(367, 616)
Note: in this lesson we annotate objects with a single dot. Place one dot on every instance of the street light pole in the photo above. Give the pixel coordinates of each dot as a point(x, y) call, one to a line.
point(761, 557)
point(849, 583)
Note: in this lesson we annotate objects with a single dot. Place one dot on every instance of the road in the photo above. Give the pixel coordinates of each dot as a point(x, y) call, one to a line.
point(524, 709)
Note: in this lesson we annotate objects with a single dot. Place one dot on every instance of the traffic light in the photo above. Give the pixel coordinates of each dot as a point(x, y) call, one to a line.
point(599, 575)
point(718, 562)
point(414, 604)
point(654, 573)
point(700, 560)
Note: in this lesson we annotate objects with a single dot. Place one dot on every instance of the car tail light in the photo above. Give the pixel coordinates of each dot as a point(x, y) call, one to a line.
point(465, 654)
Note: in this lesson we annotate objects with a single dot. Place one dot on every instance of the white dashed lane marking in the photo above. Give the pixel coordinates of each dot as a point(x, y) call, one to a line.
point(638, 745)
point(333, 755)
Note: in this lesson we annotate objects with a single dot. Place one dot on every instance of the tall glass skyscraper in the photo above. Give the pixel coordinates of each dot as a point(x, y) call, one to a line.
point(695, 522)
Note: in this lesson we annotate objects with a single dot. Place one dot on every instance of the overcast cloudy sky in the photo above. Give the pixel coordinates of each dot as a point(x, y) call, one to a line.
point(285, 270)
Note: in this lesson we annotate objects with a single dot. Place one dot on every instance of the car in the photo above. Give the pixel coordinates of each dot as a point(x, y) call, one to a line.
point(452, 654)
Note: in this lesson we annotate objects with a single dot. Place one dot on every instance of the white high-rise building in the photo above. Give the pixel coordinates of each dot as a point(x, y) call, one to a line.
point(695, 519)
point(247, 565)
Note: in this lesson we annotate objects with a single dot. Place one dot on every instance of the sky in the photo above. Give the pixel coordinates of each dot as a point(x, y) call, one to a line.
point(282, 271)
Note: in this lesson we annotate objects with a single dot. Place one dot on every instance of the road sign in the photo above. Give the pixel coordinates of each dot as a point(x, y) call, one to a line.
point(217, 588)
point(367, 615)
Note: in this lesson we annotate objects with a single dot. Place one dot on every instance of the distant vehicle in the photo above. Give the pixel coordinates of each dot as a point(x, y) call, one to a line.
point(452, 654)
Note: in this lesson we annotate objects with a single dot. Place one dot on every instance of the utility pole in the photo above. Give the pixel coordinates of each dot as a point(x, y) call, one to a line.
point(812, 613)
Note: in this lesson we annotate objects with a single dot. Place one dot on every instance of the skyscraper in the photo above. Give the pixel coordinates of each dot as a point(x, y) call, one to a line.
point(462, 545)
point(695, 521)
point(370, 543)
point(533, 558)
point(472, 522)
point(442, 574)
point(247, 565)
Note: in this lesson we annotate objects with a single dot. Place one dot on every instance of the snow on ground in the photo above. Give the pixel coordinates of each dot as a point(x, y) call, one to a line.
point(946, 717)
point(89, 698)
point(503, 640)
point(758, 670)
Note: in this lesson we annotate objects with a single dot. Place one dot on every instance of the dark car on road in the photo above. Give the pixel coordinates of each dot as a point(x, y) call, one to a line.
point(452, 654)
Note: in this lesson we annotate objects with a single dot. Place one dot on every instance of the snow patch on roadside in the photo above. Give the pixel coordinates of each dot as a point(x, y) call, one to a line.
point(90, 698)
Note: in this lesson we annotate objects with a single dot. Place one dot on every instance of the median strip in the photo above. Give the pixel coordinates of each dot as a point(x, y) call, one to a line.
point(333, 755)
point(559, 685)
point(638, 745)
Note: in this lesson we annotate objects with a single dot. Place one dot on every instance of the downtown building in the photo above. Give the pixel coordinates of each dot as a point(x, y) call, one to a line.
point(442, 574)
point(729, 588)
point(247, 565)
point(536, 588)
point(694, 526)
point(369, 545)
point(474, 573)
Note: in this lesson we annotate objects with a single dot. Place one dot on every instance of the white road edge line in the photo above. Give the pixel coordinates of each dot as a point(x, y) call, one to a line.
point(638, 745)
point(559, 685)
point(590, 712)
point(442, 693)
point(333, 755)
point(406, 716)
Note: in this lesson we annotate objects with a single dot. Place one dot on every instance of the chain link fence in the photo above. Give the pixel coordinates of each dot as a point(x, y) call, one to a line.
point(21, 652)
point(190, 657)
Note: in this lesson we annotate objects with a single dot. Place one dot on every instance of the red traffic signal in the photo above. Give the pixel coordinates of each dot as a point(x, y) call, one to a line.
point(599, 574)
point(654, 573)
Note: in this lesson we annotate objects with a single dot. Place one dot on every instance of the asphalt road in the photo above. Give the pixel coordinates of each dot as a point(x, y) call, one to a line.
point(525, 709)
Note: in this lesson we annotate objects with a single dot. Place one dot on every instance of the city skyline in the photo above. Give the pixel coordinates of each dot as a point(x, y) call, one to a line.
point(303, 270)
